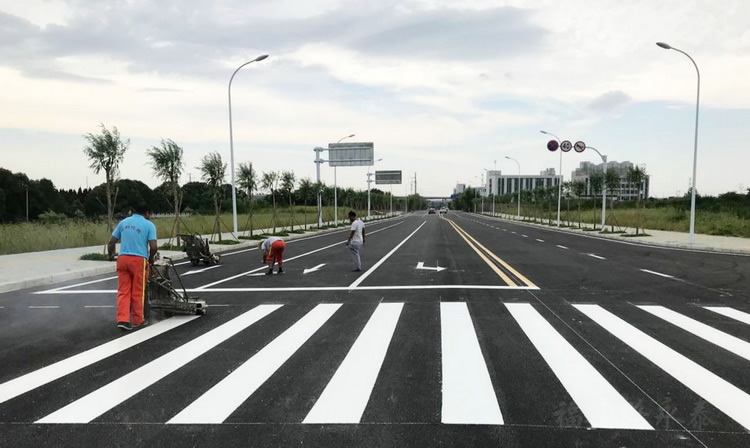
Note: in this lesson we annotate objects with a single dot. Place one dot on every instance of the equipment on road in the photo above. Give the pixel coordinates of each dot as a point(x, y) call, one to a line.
point(163, 296)
point(198, 249)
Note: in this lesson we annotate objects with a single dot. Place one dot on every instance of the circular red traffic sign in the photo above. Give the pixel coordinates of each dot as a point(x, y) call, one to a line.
point(580, 146)
point(552, 145)
point(566, 146)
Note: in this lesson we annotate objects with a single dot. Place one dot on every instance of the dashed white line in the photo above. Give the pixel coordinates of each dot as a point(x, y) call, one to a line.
point(525, 236)
point(43, 307)
point(561, 247)
point(541, 241)
point(596, 256)
point(513, 233)
point(98, 306)
point(657, 273)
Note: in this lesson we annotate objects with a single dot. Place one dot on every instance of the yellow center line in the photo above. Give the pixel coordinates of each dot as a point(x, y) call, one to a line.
point(500, 273)
point(495, 257)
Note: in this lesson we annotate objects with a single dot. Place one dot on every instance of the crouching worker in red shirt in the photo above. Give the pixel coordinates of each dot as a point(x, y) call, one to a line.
point(273, 251)
point(137, 237)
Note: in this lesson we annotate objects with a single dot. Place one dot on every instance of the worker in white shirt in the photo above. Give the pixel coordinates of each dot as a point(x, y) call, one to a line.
point(356, 240)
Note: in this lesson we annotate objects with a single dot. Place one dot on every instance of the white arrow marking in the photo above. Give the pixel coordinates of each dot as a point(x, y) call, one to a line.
point(313, 269)
point(421, 265)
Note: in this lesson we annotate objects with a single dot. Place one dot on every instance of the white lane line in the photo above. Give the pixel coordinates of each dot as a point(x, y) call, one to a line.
point(657, 273)
point(712, 335)
point(77, 284)
point(561, 247)
point(730, 312)
point(99, 306)
point(200, 288)
point(107, 397)
point(541, 241)
point(596, 256)
point(525, 236)
point(345, 397)
point(505, 230)
point(218, 403)
point(602, 405)
point(367, 273)
point(43, 307)
point(52, 372)
point(514, 233)
point(201, 270)
point(320, 288)
point(728, 398)
point(468, 395)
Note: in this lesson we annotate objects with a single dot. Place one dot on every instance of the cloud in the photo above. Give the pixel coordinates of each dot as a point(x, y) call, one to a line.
point(610, 101)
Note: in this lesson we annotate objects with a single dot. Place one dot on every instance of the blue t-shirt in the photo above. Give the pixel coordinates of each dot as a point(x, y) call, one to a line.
point(134, 234)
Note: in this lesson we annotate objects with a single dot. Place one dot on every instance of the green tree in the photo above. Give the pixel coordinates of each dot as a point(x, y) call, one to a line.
point(247, 178)
point(106, 152)
point(612, 181)
point(269, 182)
point(167, 165)
point(213, 171)
point(287, 188)
point(596, 182)
point(636, 176)
point(578, 189)
point(306, 192)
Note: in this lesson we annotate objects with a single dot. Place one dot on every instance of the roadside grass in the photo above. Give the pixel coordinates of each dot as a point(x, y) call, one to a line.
point(35, 236)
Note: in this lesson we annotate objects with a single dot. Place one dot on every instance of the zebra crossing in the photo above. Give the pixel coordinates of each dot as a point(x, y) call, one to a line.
point(468, 384)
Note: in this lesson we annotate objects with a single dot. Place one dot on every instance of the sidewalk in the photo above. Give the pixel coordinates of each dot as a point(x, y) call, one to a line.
point(710, 243)
point(27, 270)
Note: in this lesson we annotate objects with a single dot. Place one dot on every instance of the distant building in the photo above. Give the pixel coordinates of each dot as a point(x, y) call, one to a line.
point(499, 184)
point(460, 188)
point(626, 190)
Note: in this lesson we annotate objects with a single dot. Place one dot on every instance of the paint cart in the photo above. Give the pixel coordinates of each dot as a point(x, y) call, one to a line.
point(198, 249)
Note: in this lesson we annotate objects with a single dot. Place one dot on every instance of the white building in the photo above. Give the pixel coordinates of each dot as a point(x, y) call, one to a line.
point(498, 184)
point(459, 188)
point(626, 190)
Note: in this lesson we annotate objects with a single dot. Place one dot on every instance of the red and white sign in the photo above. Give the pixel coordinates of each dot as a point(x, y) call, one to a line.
point(566, 146)
point(580, 146)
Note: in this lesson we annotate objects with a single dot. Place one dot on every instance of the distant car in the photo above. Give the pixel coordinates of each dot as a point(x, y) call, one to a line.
point(443, 210)
point(431, 211)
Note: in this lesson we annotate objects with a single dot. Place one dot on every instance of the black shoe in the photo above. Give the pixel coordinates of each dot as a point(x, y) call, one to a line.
point(281, 271)
point(135, 327)
point(270, 271)
point(125, 326)
point(356, 270)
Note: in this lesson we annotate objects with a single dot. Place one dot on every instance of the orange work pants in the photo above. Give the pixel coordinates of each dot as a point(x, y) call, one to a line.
point(276, 252)
point(132, 276)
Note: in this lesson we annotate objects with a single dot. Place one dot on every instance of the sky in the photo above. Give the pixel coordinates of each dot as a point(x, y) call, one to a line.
point(444, 89)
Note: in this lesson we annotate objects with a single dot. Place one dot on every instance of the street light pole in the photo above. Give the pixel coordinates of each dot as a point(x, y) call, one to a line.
point(519, 185)
point(695, 149)
point(368, 187)
point(231, 141)
point(604, 187)
point(559, 185)
point(335, 189)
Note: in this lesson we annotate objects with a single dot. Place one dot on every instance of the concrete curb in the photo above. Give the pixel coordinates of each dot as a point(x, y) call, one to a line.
point(108, 267)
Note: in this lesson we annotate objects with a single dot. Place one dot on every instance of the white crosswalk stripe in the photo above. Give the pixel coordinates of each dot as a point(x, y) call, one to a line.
point(345, 398)
point(467, 395)
point(723, 340)
point(726, 397)
point(220, 401)
point(602, 405)
point(101, 400)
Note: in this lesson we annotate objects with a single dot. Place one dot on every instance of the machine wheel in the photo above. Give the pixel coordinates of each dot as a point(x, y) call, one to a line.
point(194, 261)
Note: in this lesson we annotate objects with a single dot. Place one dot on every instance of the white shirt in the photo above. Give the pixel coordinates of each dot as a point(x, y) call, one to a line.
point(357, 227)
point(267, 243)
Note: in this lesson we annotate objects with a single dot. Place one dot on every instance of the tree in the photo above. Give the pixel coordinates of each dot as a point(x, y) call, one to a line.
point(636, 176)
point(596, 182)
point(578, 188)
point(287, 187)
point(213, 171)
point(268, 182)
point(167, 165)
point(306, 191)
point(247, 178)
point(106, 152)
point(612, 181)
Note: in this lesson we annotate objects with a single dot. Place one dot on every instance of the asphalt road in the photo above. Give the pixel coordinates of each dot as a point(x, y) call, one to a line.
point(461, 331)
